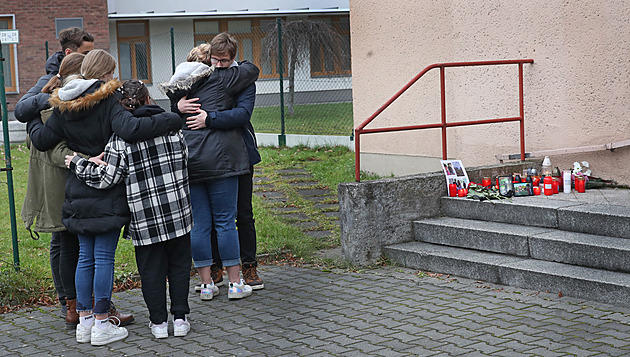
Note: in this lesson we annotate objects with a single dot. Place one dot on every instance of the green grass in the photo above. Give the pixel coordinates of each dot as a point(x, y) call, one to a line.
point(277, 239)
point(310, 119)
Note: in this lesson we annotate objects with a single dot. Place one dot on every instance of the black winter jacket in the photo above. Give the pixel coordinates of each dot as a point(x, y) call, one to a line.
point(34, 101)
point(212, 153)
point(86, 121)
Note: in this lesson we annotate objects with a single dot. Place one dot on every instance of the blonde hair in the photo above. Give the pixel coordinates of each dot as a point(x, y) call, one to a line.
point(200, 53)
point(97, 64)
point(70, 65)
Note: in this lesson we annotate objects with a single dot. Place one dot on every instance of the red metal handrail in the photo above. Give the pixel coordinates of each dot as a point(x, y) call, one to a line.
point(360, 129)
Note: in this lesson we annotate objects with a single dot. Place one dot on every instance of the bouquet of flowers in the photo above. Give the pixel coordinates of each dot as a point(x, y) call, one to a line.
point(584, 169)
point(581, 169)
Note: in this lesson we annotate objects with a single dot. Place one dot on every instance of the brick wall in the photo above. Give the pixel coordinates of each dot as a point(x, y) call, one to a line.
point(36, 21)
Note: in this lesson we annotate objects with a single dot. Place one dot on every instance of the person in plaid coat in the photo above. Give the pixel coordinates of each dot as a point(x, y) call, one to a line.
point(156, 179)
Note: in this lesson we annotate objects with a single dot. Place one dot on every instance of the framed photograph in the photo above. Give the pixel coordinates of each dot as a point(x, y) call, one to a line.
point(506, 187)
point(455, 172)
point(523, 189)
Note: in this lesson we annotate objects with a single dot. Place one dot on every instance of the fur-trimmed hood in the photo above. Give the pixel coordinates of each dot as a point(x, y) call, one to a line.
point(82, 94)
point(186, 74)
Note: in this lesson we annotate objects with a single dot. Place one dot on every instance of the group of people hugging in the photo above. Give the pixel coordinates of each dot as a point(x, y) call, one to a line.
point(104, 156)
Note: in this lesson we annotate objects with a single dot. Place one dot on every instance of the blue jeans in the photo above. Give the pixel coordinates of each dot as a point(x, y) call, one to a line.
point(95, 271)
point(214, 202)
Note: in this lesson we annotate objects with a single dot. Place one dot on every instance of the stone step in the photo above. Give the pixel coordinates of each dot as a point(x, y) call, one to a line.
point(599, 219)
point(582, 249)
point(569, 280)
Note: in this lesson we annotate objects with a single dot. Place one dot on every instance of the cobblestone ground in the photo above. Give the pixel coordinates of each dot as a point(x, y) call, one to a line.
point(377, 312)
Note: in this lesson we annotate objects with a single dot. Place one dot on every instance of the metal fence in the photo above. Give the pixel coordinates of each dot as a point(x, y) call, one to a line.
point(304, 65)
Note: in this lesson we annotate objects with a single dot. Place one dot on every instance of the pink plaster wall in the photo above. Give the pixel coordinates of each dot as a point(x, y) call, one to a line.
point(576, 93)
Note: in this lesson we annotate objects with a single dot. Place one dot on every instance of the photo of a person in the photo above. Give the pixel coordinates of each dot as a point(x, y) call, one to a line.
point(456, 168)
point(454, 172)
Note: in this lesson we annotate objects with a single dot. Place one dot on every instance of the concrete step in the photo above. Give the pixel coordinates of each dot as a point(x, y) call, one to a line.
point(17, 132)
point(599, 219)
point(580, 282)
point(581, 249)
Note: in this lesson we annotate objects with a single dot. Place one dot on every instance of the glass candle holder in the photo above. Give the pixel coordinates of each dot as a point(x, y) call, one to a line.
point(580, 184)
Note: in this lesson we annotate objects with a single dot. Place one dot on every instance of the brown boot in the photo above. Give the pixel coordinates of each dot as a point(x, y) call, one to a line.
point(123, 318)
point(250, 275)
point(72, 317)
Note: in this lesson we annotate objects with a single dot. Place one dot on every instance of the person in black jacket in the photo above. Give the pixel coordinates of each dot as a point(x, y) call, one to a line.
point(86, 113)
point(62, 256)
point(223, 52)
point(158, 197)
point(72, 40)
point(216, 159)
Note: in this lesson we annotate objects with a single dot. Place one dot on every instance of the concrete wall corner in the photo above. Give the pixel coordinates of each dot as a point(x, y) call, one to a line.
point(381, 212)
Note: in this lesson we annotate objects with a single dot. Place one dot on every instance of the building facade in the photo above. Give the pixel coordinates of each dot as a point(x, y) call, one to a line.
point(148, 38)
point(39, 23)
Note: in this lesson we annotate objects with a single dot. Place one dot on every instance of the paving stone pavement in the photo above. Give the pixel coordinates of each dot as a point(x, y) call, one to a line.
point(385, 311)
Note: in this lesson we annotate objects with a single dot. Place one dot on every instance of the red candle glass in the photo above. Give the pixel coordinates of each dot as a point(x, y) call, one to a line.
point(580, 184)
point(536, 180)
point(461, 192)
point(485, 182)
point(548, 184)
point(452, 190)
point(556, 185)
point(536, 190)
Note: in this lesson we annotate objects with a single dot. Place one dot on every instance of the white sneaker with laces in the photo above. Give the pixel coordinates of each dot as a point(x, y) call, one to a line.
point(83, 334)
point(159, 330)
point(208, 291)
point(239, 290)
point(181, 327)
point(103, 336)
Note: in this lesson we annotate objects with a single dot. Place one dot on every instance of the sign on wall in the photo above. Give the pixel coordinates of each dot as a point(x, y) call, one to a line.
point(9, 37)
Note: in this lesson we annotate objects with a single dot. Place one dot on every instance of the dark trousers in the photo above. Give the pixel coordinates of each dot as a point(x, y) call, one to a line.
point(64, 254)
point(244, 222)
point(55, 253)
point(156, 262)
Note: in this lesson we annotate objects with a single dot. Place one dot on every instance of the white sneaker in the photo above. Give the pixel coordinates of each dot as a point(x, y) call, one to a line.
point(103, 336)
point(181, 327)
point(160, 330)
point(83, 334)
point(239, 290)
point(208, 291)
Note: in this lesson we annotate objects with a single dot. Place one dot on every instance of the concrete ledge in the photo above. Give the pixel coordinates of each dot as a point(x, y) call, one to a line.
point(305, 140)
point(17, 132)
point(378, 213)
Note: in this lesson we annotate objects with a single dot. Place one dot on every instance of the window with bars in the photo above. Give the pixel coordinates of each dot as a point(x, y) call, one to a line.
point(134, 57)
point(8, 52)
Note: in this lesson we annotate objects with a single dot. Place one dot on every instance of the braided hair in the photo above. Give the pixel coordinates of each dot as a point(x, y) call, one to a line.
point(134, 94)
